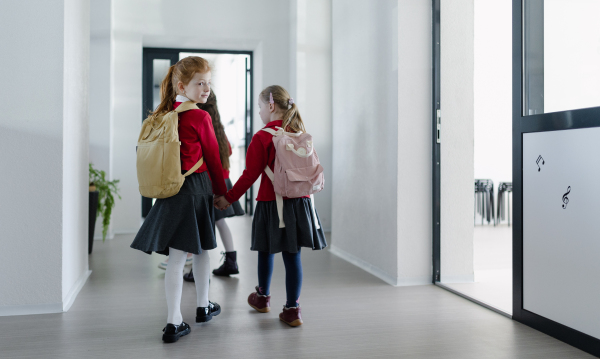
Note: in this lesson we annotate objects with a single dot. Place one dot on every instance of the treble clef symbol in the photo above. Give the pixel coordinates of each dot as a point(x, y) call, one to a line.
point(565, 199)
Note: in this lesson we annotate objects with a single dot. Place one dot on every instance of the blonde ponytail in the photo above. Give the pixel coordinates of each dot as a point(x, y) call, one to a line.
point(292, 121)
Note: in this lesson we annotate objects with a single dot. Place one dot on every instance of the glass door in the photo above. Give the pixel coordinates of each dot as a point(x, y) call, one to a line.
point(472, 144)
point(556, 139)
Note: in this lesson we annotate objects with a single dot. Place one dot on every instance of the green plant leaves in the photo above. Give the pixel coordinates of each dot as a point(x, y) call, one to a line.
point(106, 201)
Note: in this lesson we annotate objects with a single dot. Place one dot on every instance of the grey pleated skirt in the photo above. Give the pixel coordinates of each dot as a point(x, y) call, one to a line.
point(234, 210)
point(185, 221)
point(300, 229)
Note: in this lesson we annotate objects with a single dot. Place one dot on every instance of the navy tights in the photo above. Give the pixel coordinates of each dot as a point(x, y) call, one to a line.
point(293, 275)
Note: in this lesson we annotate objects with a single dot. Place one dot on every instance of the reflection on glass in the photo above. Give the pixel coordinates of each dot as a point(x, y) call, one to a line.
point(160, 67)
point(561, 55)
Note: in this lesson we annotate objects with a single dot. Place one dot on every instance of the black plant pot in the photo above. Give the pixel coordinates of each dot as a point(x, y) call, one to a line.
point(93, 210)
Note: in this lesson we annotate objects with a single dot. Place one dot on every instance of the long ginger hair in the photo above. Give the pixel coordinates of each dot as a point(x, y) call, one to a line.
point(292, 121)
point(184, 70)
point(211, 107)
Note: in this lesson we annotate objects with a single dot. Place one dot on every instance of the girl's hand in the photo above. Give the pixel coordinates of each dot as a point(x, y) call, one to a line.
point(221, 203)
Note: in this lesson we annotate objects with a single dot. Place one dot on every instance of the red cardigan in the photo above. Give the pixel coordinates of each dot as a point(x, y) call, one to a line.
point(198, 139)
point(260, 153)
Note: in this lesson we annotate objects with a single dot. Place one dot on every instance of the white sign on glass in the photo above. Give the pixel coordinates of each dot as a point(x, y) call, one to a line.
point(561, 227)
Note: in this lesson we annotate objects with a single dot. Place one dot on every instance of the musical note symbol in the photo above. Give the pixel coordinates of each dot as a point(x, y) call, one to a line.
point(565, 199)
point(538, 162)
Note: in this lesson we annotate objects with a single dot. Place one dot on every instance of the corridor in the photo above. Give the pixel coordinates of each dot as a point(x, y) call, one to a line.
point(347, 313)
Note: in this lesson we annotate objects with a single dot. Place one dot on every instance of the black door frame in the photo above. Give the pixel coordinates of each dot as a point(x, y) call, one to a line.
point(172, 54)
point(564, 120)
point(435, 140)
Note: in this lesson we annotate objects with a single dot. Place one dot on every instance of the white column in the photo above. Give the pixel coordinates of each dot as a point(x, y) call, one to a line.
point(457, 108)
point(100, 91)
point(43, 141)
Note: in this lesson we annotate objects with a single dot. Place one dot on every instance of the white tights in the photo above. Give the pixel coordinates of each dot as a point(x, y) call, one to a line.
point(226, 236)
point(174, 282)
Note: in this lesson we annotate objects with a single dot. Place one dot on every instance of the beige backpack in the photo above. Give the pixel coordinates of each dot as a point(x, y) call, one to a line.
point(158, 157)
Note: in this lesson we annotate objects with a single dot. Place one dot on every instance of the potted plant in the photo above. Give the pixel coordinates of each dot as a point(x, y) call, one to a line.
point(102, 201)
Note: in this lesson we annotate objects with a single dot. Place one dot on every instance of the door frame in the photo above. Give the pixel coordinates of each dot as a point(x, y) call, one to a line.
point(564, 120)
point(435, 140)
point(172, 54)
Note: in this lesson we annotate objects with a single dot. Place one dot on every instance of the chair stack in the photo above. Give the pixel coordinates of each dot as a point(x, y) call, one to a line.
point(484, 201)
point(504, 191)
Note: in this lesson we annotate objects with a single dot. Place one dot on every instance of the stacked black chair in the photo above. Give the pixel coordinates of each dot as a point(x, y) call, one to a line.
point(484, 200)
point(504, 191)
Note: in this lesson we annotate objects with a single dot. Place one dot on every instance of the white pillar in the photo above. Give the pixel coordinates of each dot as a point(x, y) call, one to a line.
point(100, 91)
point(457, 109)
point(382, 138)
point(43, 141)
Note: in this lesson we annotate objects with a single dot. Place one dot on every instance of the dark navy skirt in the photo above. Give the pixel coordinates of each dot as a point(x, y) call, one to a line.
point(300, 230)
point(185, 221)
point(234, 210)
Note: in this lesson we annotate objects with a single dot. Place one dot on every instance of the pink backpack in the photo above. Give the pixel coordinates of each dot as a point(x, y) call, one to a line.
point(298, 172)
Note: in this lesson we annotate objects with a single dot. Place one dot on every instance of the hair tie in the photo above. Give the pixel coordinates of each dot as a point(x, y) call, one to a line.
point(291, 101)
point(271, 98)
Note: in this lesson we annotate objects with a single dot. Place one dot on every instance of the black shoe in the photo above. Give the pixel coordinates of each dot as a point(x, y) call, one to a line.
point(229, 266)
point(204, 314)
point(173, 332)
point(189, 277)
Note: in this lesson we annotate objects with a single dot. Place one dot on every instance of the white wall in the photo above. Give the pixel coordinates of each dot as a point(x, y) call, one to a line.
point(457, 110)
point(100, 91)
point(41, 189)
point(414, 142)
point(75, 148)
point(382, 138)
point(261, 26)
point(311, 45)
point(493, 90)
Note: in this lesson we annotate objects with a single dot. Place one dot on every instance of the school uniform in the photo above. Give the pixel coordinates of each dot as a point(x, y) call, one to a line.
point(300, 224)
point(235, 209)
point(186, 221)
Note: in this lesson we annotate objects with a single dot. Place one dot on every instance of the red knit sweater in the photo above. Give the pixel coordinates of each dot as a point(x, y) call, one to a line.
point(260, 153)
point(198, 139)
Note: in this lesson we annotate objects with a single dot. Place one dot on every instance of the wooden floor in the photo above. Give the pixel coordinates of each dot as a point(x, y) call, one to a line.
point(347, 312)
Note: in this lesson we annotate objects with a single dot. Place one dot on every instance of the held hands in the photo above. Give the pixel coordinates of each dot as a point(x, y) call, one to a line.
point(221, 203)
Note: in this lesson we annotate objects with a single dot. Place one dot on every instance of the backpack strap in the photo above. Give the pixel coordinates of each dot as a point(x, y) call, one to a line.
point(312, 204)
point(186, 106)
point(280, 132)
point(278, 198)
point(196, 166)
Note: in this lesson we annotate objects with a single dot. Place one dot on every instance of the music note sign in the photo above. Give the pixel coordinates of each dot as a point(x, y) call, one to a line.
point(540, 158)
point(565, 199)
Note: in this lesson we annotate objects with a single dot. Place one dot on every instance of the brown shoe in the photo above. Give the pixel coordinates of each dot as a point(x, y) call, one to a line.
point(291, 316)
point(261, 303)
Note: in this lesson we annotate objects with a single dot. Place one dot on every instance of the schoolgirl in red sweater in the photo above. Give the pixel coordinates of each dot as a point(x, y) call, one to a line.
point(277, 109)
point(184, 223)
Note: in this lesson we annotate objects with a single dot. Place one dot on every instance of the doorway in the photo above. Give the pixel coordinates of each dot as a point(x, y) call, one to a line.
point(231, 82)
point(473, 151)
